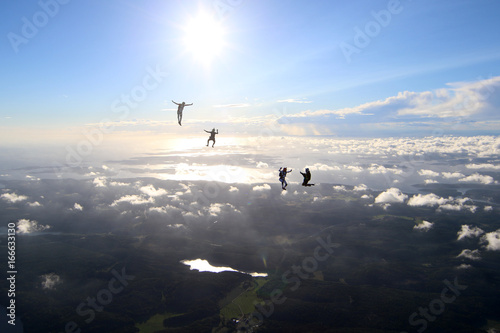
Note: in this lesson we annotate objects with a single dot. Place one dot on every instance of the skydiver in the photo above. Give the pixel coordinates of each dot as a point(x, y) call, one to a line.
point(307, 177)
point(212, 136)
point(282, 176)
point(180, 109)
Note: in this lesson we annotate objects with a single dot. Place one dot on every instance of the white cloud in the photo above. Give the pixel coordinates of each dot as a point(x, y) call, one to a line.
point(492, 239)
point(366, 196)
point(392, 195)
point(323, 167)
point(488, 208)
point(262, 165)
point(114, 183)
point(152, 192)
point(468, 254)
point(293, 100)
point(424, 226)
point(77, 206)
point(13, 198)
point(133, 200)
point(428, 173)
point(477, 178)
point(34, 204)
point(100, 182)
point(482, 166)
point(233, 189)
point(50, 281)
point(360, 188)
point(469, 232)
point(25, 226)
point(430, 181)
point(464, 266)
point(339, 188)
point(427, 200)
point(449, 175)
point(264, 187)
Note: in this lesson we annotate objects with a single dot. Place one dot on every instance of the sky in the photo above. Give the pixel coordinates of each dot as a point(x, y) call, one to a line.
point(74, 70)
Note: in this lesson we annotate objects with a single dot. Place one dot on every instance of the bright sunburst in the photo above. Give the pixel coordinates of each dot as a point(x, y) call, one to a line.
point(204, 38)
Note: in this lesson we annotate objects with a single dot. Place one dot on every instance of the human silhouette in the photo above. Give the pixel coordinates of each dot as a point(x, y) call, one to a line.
point(307, 177)
point(180, 109)
point(212, 136)
point(282, 175)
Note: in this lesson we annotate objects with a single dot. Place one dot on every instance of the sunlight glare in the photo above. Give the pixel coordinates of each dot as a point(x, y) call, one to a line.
point(204, 38)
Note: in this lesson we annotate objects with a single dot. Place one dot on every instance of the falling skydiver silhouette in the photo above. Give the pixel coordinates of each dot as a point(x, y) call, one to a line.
point(307, 177)
point(282, 175)
point(180, 109)
point(212, 136)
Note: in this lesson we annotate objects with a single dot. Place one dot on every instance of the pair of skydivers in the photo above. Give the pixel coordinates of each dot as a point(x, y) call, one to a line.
point(282, 177)
point(180, 108)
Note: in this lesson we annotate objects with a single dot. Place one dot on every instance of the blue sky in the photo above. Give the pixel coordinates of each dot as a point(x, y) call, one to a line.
point(357, 68)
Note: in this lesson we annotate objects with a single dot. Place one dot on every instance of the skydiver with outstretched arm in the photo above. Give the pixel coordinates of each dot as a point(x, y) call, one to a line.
point(180, 109)
point(307, 177)
point(212, 136)
point(282, 174)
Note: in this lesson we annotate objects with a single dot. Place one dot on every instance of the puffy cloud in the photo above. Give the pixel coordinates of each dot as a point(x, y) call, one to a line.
point(152, 191)
point(323, 167)
point(493, 240)
point(424, 226)
point(77, 206)
point(392, 195)
point(469, 232)
point(339, 188)
point(430, 181)
point(428, 173)
point(380, 169)
point(449, 175)
point(488, 208)
point(13, 198)
point(262, 165)
point(482, 166)
point(34, 204)
point(100, 182)
point(464, 266)
point(133, 200)
point(264, 187)
point(25, 226)
point(477, 178)
point(430, 199)
point(360, 187)
point(468, 254)
point(233, 189)
point(50, 281)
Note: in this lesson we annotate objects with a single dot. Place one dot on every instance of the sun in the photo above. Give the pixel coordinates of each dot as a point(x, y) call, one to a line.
point(204, 38)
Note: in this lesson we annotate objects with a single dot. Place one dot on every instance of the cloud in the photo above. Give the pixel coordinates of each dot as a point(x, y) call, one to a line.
point(235, 105)
point(469, 232)
point(13, 198)
point(477, 178)
point(152, 192)
point(233, 189)
point(482, 166)
point(427, 200)
point(493, 240)
point(339, 188)
point(133, 200)
point(323, 167)
point(360, 188)
point(264, 187)
point(34, 204)
point(392, 195)
point(428, 173)
point(50, 281)
point(468, 254)
point(25, 226)
point(262, 165)
point(292, 100)
point(424, 226)
point(99, 182)
point(449, 175)
point(77, 206)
